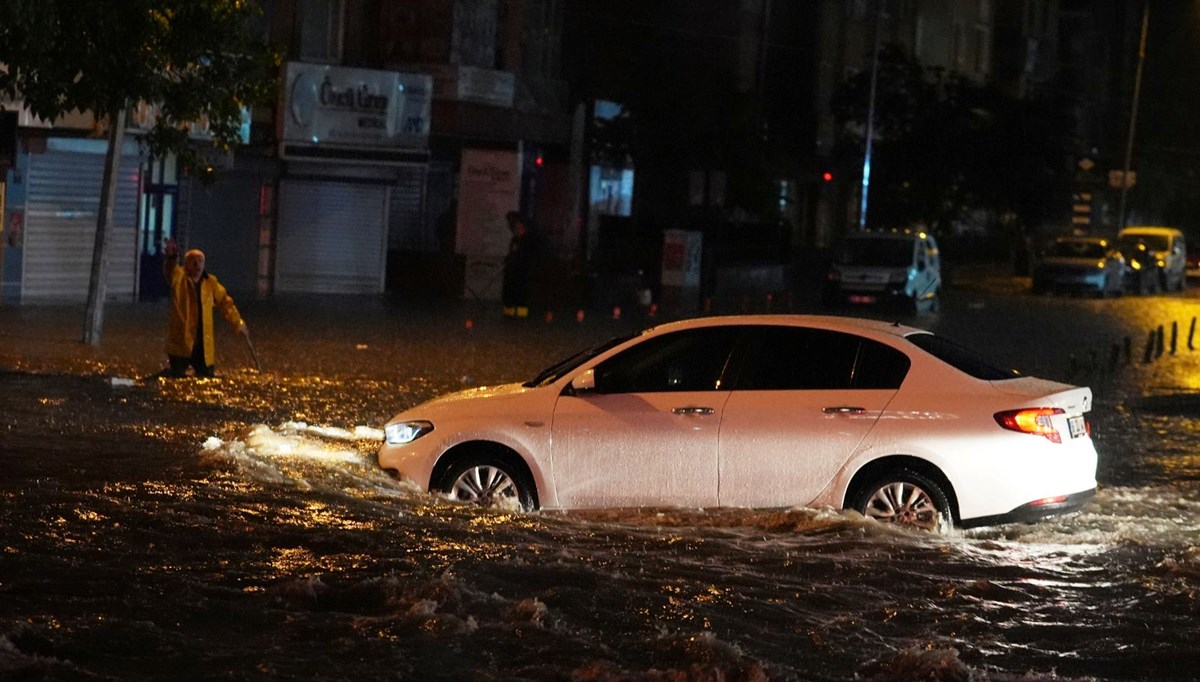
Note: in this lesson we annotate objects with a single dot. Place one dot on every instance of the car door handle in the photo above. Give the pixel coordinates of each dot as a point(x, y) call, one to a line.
point(692, 410)
point(843, 409)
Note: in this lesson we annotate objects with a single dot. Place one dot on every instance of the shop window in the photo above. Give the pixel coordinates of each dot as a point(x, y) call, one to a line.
point(320, 30)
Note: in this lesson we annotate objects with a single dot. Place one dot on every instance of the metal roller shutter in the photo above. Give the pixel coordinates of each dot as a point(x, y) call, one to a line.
point(331, 238)
point(60, 234)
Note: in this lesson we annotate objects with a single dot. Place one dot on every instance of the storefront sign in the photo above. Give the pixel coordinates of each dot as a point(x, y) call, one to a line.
point(681, 258)
point(335, 106)
point(489, 187)
point(143, 117)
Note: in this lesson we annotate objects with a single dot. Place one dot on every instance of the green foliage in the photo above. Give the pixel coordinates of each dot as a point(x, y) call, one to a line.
point(195, 60)
point(945, 147)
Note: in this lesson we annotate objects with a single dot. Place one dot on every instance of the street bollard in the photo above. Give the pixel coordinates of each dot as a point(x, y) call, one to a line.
point(1148, 356)
point(1114, 357)
point(1158, 343)
point(1174, 335)
point(1128, 351)
point(1192, 335)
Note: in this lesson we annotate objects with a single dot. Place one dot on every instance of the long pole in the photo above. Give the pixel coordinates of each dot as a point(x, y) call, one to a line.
point(1133, 114)
point(866, 172)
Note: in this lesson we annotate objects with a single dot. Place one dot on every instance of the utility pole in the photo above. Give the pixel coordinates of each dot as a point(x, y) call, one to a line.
point(1133, 114)
point(866, 172)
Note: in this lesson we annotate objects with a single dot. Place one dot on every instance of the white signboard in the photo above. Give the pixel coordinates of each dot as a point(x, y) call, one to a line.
point(489, 186)
point(332, 105)
point(681, 258)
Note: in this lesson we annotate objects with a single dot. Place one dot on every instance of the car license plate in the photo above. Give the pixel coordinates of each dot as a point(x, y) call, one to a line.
point(860, 298)
point(1076, 426)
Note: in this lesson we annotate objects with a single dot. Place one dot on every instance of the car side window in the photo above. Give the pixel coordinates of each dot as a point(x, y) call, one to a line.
point(800, 358)
point(688, 360)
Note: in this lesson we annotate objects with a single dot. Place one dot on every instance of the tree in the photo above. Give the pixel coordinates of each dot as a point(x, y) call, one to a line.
point(947, 147)
point(193, 60)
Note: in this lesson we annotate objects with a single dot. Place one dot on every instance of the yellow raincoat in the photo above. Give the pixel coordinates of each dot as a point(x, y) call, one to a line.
point(181, 321)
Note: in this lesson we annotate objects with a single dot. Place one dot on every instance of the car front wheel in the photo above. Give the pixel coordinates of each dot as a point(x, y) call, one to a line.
point(488, 482)
point(905, 498)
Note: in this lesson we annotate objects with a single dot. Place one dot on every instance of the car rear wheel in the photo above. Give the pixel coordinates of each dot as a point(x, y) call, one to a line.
point(488, 481)
point(905, 498)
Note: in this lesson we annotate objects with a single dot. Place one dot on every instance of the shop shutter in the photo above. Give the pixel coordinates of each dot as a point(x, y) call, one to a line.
point(331, 237)
point(60, 226)
point(407, 228)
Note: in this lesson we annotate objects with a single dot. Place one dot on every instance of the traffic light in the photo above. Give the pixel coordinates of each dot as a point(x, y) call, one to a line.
point(827, 176)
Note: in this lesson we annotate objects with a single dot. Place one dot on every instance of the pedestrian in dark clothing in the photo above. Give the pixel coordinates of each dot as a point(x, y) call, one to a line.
point(194, 294)
point(520, 266)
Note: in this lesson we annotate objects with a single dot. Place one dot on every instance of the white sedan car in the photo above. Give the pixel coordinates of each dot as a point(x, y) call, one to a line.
point(763, 411)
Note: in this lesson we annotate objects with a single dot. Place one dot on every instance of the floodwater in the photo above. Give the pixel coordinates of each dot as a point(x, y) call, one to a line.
point(237, 528)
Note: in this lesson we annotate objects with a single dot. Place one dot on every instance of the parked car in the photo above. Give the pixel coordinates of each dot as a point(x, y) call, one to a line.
point(1169, 248)
point(898, 268)
point(763, 411)
point(1141, 267)
point(1080, 265)
point(1193, 262)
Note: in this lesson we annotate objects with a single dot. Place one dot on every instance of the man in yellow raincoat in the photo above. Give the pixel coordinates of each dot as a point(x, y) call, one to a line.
point(194, 294)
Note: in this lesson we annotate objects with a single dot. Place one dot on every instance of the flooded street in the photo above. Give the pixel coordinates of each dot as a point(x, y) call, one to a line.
point(237, 528)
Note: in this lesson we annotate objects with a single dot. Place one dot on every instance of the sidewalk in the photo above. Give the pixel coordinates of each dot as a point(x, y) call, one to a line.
point(337, 335)
point(330, 335)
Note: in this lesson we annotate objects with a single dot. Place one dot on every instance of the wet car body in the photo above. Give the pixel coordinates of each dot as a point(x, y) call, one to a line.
point(1080, 265)
point(758, 412)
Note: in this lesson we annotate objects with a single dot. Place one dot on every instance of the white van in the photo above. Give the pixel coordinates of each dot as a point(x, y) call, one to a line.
point(1169, 248)
point(899, 268)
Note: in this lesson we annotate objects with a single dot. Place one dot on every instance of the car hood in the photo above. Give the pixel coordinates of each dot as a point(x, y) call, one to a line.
point(869, 273)
point(476, 394)
point(1047, 393)
point(1062, 261)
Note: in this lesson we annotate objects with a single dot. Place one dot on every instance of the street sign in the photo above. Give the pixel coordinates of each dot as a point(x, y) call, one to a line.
point(1117, 179)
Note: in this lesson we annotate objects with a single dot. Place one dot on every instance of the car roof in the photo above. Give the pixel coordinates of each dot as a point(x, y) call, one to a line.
point(1074, 238)
point(1150, 229)
point(833, 322)
point(886, 234)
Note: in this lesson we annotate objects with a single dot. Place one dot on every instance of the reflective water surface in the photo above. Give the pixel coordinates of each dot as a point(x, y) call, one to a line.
point(238, 528)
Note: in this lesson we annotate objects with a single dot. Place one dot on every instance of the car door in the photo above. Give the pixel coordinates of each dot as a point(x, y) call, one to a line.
point(803, 400)
point(646, 435)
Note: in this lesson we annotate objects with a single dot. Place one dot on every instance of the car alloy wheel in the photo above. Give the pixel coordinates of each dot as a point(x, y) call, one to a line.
point(488, 483)
point(908, 499)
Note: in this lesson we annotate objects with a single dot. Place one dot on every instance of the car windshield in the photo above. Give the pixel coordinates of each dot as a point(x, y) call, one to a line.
point(1153, 241)
point(962, 359)
point(556, 371)
point(880, 251)
point(1080, 249)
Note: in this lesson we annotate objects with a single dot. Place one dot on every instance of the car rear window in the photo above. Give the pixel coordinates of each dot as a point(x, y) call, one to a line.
point(962, 359)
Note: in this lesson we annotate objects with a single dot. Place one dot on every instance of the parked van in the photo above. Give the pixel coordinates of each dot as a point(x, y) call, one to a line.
point(1168, 247)
point(899, 268)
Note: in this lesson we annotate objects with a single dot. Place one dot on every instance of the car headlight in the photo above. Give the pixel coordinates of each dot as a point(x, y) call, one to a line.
point(406, 432)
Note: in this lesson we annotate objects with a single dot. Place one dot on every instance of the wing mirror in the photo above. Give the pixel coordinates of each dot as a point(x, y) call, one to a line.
point(585, 382)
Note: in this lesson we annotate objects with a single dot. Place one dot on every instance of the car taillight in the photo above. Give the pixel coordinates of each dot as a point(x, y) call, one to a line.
point(1035, 420)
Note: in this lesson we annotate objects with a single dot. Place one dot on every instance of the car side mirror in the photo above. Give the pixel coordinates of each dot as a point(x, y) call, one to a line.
point(585, 382)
